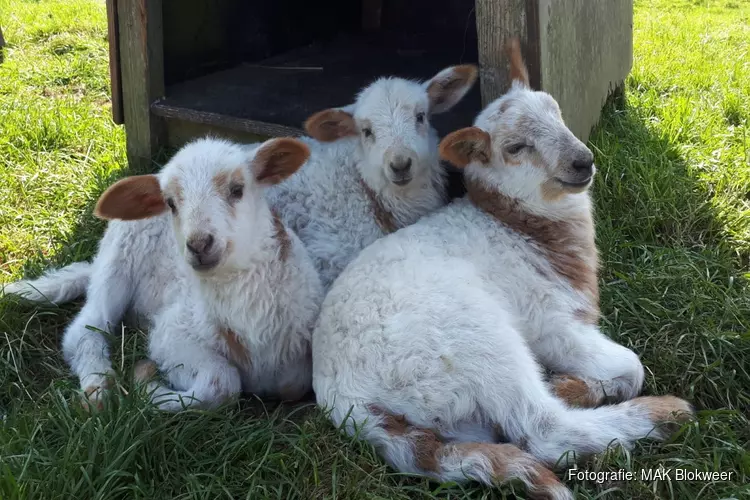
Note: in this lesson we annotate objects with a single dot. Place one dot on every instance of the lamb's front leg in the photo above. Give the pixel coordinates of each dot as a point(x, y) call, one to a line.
point(84, 346)
point(591, 367)
point(198, 375)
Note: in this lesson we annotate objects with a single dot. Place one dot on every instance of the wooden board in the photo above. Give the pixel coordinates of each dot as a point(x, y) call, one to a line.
point(276, 96)
point(497, 21)
point(114, 62)
point(142, 67)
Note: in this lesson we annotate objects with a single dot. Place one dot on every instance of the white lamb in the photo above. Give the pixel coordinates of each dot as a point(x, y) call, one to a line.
point(373, 169)
point(429, 344)
point(230, 292)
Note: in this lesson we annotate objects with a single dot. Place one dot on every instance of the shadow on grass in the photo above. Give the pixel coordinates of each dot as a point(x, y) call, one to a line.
point(671, 290)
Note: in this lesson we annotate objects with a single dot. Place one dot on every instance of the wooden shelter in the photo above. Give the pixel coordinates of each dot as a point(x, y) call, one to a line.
point(253, 69)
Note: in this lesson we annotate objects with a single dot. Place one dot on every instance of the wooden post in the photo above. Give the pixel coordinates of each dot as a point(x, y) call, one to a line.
point(498, 20)
point(142, 73)
point(2, 44)
point(114, 62)
point(577, 50)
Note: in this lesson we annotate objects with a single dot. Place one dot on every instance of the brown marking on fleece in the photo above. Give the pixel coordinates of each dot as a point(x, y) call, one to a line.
point(429, 450)
point(568, 246)
point(383, 217)
point(236, 351)
point(223, 182)
point(552, 191)
point(575, 392)
point(663, 409)
point(425, 441)
point(505, 458)
point(282, 237)
point(174, 189)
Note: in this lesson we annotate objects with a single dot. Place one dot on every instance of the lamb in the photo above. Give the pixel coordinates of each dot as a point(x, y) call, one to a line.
point(374, 167)
point(430, 344)
point(230, 292)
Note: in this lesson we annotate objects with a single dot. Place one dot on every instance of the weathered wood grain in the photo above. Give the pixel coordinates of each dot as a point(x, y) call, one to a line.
point(114, 62)
point(142, 75)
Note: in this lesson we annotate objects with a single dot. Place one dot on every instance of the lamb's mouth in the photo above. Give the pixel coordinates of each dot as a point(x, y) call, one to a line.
point(575, 185)
point(402, 182)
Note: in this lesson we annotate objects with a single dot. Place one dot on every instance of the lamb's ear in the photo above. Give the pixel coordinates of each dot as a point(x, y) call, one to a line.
point(465, 146)
point(277, 159)
point(132, 198)
point(450, 86)
point(518, 72)
point(331, 124)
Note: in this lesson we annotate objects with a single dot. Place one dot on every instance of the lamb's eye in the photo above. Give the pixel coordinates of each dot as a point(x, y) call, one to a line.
point(367, 132)
point(420, 117)
point(515, 148)
point(236, 190)
point(171, 205)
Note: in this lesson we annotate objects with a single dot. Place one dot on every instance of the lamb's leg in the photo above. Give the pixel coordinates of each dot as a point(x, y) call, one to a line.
point(514, 397)
point(84, 347)
point(207, 385)
point(199, 376)
point(591, 367)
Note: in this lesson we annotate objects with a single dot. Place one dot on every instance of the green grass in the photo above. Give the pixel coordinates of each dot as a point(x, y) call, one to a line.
point(673, 210)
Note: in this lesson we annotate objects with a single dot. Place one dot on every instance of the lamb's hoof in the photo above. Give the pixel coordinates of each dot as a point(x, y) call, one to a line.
point(668, 413)
point(145, 371)
point(93, 396)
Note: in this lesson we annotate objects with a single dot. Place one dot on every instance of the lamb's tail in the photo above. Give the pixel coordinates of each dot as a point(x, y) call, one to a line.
point(57, 285)
point(416, 450)
point(208, 390)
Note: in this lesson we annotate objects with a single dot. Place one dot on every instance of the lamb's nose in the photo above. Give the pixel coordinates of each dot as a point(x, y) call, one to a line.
point(582, 165)
point(200, 244)
point(401, 165)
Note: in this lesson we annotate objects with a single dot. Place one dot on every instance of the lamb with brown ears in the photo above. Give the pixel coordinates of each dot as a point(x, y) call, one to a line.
point(431, 343)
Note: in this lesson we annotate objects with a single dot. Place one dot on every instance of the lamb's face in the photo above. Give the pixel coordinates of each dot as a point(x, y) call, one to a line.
point(392, 121)
point(212, 197)
point(214, 192)
point(532, 146)
point(521, 144)
point(391, 118)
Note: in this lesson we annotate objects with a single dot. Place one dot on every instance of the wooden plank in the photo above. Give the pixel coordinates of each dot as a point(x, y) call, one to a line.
point(179, 132)
point(142, 75)
point(587, 52)
point(224, 121)
point(114, 62)
point(498, 20)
